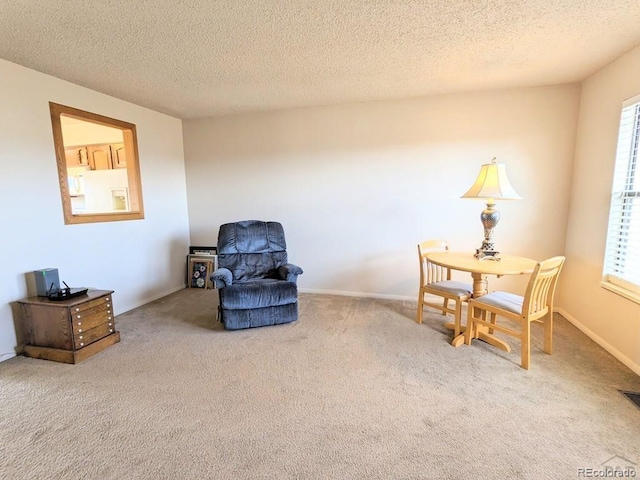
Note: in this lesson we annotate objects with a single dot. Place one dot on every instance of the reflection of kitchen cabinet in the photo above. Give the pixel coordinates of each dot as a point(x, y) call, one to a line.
point(76, 156)
point(98, 157)
point(118, 156)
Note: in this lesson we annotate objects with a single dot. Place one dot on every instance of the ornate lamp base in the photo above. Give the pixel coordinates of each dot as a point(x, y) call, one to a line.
point(489, 218)
point(487, 254)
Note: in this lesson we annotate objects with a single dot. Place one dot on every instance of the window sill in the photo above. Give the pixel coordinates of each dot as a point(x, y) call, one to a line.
point(628, 294)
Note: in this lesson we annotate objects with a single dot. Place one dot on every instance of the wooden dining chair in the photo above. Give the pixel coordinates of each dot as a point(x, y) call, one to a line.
point(535, 306)
point(436, 280)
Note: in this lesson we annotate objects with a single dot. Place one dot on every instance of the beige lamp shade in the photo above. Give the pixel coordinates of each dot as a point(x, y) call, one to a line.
point(492, 182)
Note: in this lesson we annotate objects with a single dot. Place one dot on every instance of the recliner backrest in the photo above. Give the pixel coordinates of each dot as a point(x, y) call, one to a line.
point(252, 249)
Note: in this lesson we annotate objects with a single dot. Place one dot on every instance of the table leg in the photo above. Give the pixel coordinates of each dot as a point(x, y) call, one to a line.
point(483, 335)
point(492, 340)
point(480, 288)
point(479, 284)
point(459, 340)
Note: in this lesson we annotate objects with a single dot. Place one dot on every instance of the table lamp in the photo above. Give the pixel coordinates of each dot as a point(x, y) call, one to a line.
point(492, 183)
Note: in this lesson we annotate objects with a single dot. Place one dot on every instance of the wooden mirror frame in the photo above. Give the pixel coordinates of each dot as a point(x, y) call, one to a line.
point(136, 211)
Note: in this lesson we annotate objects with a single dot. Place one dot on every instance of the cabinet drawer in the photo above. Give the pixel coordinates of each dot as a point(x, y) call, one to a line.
point(87, 322)
point(102, 301)
point(85, 338)
point(97, 310)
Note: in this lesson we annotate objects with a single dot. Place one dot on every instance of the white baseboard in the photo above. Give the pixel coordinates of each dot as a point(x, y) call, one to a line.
point(356, 294)
point(152, 298)
point(600, 341)
point(6, 356)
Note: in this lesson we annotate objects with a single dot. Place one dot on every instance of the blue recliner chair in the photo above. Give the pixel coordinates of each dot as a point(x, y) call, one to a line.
point(257, 285)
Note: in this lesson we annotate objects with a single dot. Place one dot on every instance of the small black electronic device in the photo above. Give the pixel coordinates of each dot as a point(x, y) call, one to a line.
point(58, 294)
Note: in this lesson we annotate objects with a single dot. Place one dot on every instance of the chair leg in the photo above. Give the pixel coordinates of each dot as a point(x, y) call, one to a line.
point(470, 326)
point(548, 333)
point(420, 307)
point(457, 319)
point(493, 322)
point(526, 344)
point(445, 305)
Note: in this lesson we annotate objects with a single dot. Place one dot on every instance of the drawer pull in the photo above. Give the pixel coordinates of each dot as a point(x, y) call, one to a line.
point(77, 309)
point(110, 324)
point(79, 323)
point(79, 330)
point(108, 311)
point(108, 304)
point(111, 330)
point(78, 316)
point(108, 318)
point(80, 337)
point(82, 344)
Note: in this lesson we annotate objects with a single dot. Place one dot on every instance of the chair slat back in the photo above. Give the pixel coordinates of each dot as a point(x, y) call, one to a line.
point(538, 299)
point(430, 272)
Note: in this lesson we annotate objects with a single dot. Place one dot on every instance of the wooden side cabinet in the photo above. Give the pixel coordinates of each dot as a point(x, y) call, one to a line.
point(70, 330)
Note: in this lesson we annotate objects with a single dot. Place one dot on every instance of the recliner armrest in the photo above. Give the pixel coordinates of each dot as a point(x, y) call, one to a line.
point(221, 278)
point(289, 272)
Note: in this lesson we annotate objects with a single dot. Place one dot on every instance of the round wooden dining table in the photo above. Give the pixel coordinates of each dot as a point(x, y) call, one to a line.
point(480, 269)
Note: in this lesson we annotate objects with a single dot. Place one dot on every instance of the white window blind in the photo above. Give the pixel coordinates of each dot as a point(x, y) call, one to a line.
point(622, 257)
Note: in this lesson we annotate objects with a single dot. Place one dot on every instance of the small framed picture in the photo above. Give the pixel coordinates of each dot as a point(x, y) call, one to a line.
point(199, 271)
point(203, 250)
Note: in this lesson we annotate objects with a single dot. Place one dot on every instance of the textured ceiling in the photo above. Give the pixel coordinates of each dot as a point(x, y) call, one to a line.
point(199, 58)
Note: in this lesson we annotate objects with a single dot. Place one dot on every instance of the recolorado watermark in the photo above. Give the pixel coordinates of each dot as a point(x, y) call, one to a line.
point(615, 467)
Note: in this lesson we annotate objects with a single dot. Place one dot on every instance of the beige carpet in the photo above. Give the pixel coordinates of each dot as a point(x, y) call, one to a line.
point(354, 390)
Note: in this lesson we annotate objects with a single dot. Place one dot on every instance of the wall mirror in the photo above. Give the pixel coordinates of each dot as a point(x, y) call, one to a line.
point(98, 166)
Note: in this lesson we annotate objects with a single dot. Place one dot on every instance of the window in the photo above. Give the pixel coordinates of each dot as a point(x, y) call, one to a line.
point(622, 257)
point(98, 166)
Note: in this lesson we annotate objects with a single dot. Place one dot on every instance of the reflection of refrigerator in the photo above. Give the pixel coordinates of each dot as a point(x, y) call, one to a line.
point(120, 199)
point(75, 180)
point(106, 191)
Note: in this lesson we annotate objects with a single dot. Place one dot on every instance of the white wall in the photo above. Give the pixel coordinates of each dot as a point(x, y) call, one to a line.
point(358, 186)
point(141, 260)
point(611, 320)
